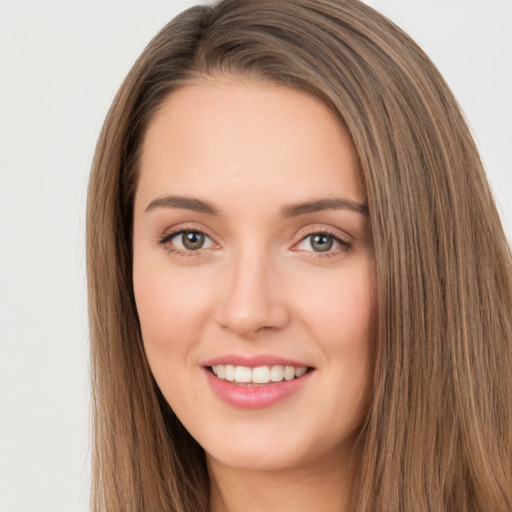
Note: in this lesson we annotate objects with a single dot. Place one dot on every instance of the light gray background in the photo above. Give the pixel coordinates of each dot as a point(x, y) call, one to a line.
point(61, 63)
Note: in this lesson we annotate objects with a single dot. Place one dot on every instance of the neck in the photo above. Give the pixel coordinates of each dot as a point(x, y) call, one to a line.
point(326, 487)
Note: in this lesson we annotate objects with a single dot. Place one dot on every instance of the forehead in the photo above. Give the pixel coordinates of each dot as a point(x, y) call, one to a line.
point(246, 138)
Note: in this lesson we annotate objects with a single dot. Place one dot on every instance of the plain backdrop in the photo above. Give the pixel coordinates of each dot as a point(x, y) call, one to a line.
point(61, 63)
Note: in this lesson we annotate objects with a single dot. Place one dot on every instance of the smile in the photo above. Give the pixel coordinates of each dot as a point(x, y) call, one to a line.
point(249, 383)
point(259, 375)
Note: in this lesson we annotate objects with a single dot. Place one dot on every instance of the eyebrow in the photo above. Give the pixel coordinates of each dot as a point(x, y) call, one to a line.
point(184, 203)
point(294, 210)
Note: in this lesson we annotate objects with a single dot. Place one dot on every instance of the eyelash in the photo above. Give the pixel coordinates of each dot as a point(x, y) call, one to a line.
point(344, 246)
point(165, 239)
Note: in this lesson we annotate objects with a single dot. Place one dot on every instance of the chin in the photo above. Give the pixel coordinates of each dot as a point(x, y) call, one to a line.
point(257, 457)
point(274, 449)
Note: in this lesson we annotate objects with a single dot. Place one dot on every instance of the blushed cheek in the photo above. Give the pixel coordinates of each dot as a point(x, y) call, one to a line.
point(344, 319)
point(171, 309)
point(348, 306)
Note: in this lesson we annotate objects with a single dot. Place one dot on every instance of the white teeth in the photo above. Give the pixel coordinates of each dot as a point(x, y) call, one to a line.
point(258, 375)
point(242, 374)
point(277, 373)
point(289, 373)
point(261, 375)
point(230, 372)
point(299, 372)
point(221, 372)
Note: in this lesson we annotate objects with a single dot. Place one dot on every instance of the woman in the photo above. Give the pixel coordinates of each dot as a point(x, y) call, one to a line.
point(300, 290)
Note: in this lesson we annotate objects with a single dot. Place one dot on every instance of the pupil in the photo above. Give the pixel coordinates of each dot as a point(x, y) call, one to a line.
point(192, 240)
point(321, 243)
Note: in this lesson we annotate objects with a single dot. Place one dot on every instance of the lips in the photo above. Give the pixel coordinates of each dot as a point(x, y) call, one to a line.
point(255, 382)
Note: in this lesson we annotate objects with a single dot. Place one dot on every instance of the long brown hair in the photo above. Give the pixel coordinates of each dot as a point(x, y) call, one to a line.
point(438, 434)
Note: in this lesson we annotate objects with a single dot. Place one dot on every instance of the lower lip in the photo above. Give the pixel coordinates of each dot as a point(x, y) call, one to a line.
point(257, 396)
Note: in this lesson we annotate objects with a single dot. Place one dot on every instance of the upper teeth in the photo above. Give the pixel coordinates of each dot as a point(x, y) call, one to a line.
point(258, 375)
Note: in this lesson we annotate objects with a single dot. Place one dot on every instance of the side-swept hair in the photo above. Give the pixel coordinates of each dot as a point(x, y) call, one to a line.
point(438, 434)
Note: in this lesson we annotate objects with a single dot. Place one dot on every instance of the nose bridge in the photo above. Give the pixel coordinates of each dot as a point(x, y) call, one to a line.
point(250, 300)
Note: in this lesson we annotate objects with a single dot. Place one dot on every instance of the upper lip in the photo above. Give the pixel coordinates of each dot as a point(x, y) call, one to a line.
point(254, 361)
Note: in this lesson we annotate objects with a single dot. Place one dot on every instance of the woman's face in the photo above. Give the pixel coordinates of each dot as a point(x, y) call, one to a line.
point(253, 261)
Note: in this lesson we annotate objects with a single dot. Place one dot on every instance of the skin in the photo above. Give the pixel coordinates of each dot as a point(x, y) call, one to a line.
point(258, 285)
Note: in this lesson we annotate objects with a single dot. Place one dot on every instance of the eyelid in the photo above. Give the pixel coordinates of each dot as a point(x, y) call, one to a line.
point(325, 229)
point(343, 239)
point(173, 231)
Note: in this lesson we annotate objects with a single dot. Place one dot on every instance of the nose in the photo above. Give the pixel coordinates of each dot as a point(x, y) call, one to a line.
point(252, 300)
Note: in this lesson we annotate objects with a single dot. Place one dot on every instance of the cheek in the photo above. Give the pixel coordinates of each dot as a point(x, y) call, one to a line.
point(342, 319)
point(172, 307)
point(341, 308)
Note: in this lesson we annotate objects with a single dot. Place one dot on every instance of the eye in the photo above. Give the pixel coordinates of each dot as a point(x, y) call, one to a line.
point(187, 240)
point(321, 243)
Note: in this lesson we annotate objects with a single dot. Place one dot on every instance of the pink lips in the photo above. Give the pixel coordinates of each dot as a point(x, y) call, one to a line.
point(253, 396)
